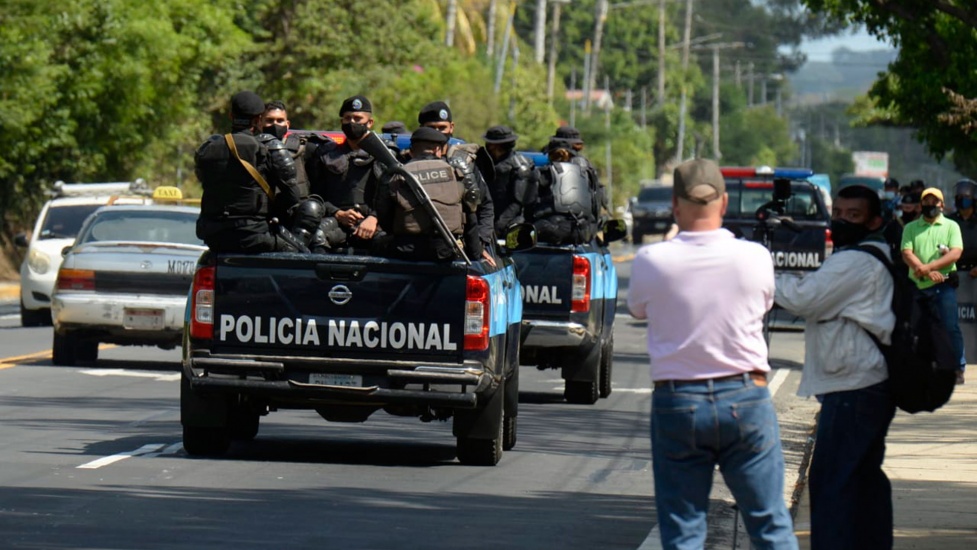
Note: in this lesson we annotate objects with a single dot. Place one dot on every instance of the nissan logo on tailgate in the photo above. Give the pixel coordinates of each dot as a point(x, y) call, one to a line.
point(340, 295)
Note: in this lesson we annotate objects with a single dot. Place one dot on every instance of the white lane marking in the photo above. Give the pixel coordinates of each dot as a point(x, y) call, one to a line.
point(653, 540)
point(135, 374)
point(171, 449)
point(106, 460)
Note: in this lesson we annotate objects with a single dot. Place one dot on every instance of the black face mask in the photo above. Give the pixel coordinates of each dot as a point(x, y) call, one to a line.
point(354, 131)
point(931, 211)
point(276, 130)
point(845, 233)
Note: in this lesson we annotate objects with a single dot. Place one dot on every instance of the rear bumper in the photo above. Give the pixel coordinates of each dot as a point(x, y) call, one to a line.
point(286, 379)
point(553, 334)
point(104, 315)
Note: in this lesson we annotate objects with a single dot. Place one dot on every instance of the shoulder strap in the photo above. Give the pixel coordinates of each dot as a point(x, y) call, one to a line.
point(247, 166)
point(878, 255)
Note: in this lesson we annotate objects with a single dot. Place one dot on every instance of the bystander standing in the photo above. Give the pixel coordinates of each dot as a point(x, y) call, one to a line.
point(710, 404)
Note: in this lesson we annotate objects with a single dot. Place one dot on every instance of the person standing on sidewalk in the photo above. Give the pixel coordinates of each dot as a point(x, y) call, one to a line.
point(843, 302)
point(710, 405)
point(931, 247)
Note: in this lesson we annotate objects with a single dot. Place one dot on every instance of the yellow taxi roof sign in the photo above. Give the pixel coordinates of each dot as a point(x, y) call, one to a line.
point(167, 193)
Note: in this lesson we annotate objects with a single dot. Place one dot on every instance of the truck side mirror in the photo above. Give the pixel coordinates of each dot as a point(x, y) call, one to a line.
point(65, 250)
point(20, 239)
point(520, 236)
point(614, 230)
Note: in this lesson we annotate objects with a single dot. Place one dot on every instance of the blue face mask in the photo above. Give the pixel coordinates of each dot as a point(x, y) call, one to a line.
point(964, 202)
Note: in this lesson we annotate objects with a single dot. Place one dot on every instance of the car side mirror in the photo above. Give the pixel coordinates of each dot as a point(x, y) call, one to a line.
point(65, 251)
point(614, 230)
point(520, 236)
point(20, 239)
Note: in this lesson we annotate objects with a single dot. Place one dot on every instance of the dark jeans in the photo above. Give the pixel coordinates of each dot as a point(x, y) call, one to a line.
point(851, 498)
point(942, 301)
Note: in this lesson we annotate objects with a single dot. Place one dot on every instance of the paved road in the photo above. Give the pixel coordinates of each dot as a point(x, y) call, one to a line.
point(91, 458)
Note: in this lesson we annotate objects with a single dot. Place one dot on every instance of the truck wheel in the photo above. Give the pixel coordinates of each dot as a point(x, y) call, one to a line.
point(87, 350)
point(480, 452)
point(63, 350)
point(198, 441)
point(637, 238)
point(510, 411)
point(606, 366)
point(34, 318)
point(243, 422)
point(580, 393)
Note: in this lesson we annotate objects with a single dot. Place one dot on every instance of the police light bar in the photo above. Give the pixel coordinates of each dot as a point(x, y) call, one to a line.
point(766, 171)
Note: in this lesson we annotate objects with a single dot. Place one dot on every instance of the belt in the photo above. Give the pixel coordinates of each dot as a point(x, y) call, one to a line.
point(758, 377)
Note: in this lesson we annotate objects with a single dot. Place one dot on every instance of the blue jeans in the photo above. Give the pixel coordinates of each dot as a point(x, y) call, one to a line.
point(731, 423)
point(851, 498)
point(943, 304)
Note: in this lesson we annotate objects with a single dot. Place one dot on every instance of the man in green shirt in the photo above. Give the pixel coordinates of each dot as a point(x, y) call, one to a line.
point(931, 245)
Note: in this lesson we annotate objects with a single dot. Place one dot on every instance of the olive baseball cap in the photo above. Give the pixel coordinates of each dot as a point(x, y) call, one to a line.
point(699, 181)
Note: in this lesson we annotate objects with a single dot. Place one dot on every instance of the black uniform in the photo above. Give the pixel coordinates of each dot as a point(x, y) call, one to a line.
point(968, 231)
point(344, 178)
point(600, 194)
point(513, 189)
point(235, 209)
point(464, 160)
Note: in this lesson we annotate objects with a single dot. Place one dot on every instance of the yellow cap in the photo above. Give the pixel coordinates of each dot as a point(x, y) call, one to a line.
point(932, 191)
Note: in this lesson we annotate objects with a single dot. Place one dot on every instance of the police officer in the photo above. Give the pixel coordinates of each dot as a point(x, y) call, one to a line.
point(275, 122)
point(571, 136)
point(411, 230)
point(244, 180)
point(346, 177)
point(514, 186)
point(964, 193)
point(908, 210)
point(472, 163)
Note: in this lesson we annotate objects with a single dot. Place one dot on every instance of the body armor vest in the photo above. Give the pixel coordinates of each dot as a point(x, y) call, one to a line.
point(440, 183)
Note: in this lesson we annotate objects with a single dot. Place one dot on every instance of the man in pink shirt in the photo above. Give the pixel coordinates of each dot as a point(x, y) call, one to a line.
point(704, 294)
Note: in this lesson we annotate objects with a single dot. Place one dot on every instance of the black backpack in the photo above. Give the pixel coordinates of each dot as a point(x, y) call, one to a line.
point(922, 369)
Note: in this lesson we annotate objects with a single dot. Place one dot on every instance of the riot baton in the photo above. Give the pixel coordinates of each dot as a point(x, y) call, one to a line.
point(372, 144)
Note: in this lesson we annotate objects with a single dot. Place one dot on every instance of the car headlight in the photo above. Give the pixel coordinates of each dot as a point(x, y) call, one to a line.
point(39, 262)
point(638, 211)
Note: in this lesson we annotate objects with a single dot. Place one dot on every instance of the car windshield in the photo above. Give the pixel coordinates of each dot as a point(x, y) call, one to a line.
point(143, 226)
point(64, 222)
point(802, 204)
point(655, 194)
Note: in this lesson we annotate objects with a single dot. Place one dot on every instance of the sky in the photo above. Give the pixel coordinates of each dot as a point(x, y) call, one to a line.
point(820, 50)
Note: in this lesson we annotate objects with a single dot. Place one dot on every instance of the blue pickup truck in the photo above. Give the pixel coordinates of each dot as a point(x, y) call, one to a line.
point(347, 335)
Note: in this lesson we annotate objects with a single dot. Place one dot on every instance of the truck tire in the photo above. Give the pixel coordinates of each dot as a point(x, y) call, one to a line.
point(87, 350)
point(243, 422)
point(510, 411)
point(480, 451)
point(637, 237)
point(606, 367)
point(63, 350)
point(34, 318)
point(200, 441)
point(583, 392)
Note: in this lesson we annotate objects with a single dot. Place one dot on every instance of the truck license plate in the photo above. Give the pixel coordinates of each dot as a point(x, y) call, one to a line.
point(143, 319)
point(347, 380)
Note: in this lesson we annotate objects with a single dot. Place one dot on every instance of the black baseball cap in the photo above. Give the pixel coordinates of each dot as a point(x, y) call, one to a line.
point(436, 111)
point(356, 104)
point(429, 135)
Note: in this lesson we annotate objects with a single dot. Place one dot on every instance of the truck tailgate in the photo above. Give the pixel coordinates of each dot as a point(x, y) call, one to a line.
point(546, 275)
point(351, 307)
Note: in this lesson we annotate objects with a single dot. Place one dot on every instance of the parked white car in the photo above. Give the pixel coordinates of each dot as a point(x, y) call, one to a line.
point(55, 228)
point(125, 280)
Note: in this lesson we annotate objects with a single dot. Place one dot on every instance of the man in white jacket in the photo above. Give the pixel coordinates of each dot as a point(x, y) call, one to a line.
point(847, 298)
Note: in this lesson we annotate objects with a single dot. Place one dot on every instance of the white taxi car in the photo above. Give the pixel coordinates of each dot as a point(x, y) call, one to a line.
point(125, 280)
point(55, 228)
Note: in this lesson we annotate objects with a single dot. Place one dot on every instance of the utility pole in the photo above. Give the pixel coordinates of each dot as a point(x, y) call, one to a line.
point(763, 90)
point(573, 101)
point(739, 75)
point(600, 19)
point(661, 53)
point(505, 49)
point(715, 103)
point(749, 67)
point(540, 31)
point(490, 39)
point(586, 75)
point(644, 107)
point(449, 36)
point(680, 142)
point(607, 146)
point(554, 47)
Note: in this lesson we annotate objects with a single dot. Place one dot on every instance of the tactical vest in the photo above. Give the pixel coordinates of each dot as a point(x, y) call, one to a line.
point(229, 191)
point(439, 181)
point(297, 146)
point(570, 191)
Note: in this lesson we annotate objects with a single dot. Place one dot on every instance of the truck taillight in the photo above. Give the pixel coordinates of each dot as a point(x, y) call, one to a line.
point(829, 245)
point(476, 314)
point(580, 293)
point(76, 280)
point(202, 304)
